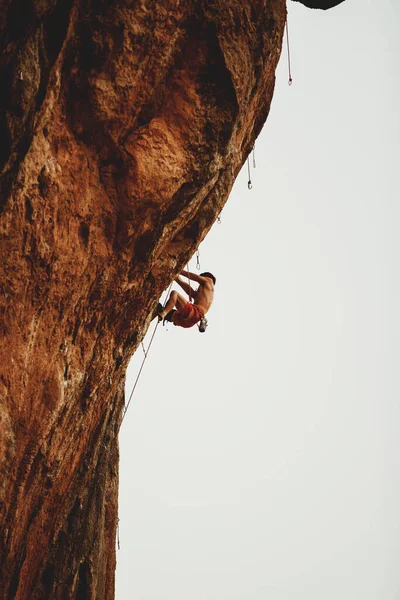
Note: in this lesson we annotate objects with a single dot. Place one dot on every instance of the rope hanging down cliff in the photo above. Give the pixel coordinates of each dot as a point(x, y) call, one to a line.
point(146, 352)
point(288, 52)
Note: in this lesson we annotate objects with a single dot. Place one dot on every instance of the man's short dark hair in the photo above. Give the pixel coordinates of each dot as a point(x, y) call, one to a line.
point(210, 275)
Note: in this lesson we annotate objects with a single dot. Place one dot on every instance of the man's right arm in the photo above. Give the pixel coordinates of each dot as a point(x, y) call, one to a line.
point(194, 277)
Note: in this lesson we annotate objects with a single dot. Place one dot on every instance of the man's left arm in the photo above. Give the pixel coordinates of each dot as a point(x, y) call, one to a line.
point(186, 287)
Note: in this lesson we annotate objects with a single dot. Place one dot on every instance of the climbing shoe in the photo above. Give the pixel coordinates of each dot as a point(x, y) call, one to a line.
point(168, 317)
point(158, 312)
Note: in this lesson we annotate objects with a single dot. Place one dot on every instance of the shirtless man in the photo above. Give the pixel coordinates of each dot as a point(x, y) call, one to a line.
point(188, 314)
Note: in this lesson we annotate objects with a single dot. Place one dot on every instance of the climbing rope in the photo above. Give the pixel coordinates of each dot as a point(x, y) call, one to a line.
point(288, 52)
point(146, 352)
point(188, 276)
point(118, 544)
point(249, 184)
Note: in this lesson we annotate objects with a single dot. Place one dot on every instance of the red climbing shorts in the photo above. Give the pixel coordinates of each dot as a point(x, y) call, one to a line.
point(188, 316)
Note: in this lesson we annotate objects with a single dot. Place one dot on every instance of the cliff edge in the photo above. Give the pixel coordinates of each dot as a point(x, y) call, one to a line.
point(123, 126)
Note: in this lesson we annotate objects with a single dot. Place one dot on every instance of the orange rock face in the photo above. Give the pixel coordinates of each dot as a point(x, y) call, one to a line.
point(123, 127)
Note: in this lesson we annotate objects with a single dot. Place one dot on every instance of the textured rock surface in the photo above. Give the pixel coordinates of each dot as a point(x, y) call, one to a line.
point(122, 131)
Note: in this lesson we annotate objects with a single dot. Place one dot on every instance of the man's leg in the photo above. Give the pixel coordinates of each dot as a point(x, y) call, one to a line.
point(174, 300)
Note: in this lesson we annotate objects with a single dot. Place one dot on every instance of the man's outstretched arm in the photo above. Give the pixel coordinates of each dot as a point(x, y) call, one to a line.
point(193, 276)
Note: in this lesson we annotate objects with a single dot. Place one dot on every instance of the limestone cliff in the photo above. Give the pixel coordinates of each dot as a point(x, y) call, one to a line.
point(123, 126)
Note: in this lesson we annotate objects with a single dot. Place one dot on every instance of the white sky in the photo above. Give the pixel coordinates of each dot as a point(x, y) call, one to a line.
point(261, 459)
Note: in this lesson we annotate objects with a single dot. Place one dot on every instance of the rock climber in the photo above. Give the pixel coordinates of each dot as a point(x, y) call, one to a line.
point(186, 314)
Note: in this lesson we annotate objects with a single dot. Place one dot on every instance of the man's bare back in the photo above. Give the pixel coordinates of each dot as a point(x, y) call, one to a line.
point(204, 294)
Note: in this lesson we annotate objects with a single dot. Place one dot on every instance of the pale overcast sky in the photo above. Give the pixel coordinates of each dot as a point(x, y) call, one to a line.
point(260, 460)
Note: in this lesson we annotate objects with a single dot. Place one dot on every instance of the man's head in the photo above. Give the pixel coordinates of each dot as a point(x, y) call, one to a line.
point(210, 275)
